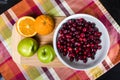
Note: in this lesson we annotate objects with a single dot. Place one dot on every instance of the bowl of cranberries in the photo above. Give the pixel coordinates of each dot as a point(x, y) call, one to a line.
point(81, 41)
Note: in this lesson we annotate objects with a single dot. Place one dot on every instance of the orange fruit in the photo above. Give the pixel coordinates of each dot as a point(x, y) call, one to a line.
point(25, 26)
point(44, 24)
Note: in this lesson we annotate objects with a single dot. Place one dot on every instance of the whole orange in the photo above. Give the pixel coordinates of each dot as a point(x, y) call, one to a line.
point(44, 24)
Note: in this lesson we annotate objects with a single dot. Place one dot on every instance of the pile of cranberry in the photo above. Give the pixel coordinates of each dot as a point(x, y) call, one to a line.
point(79, 40)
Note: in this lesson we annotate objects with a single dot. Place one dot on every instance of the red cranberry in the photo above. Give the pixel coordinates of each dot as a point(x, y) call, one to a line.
point(99, 46)
point(68, 36)
point(71, 55)
point(99, 34)
point(85, 60)
point(70, 49)
point(76, 58)
point(64, 54)
point(84, 29)
point(77, 51)
point(73, 29)
point(71, 59)
point(82, 35)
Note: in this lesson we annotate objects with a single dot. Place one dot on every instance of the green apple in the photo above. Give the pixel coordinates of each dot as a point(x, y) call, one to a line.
point(27, 47)
point(46, 53)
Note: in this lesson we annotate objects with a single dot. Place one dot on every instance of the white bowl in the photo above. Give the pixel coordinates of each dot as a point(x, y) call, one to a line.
point(100, 55)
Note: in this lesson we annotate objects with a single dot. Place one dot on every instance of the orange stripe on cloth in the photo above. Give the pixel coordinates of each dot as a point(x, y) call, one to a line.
point(22, 9)
point(114, 53)
point(10, 71)
point(79, 75)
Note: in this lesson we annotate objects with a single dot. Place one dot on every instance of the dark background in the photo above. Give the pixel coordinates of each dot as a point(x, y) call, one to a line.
point(5, 4)
point(112, 6)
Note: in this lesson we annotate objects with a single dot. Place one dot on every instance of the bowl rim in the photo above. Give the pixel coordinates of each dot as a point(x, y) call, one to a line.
point(56, 33)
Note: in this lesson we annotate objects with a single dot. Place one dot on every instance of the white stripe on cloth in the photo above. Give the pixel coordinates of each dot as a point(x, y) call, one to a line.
point(67, 7)
point(88, 74)
point(55, 76)
point(42, 73)
point(108, 61)
point(44, 77)
point(57, 8)
point(39, 6)
point(108, 16)
point(8, 23)
point(13, 15)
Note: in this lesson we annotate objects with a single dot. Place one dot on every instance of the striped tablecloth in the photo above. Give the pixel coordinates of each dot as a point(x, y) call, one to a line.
point(11, 71)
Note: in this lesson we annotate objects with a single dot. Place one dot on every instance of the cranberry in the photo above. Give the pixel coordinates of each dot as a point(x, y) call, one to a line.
point(65, 50)
point(82, 20)
point(84, 29)
point(98, 41)
point(85, 60)
point(73, 29)
point(58, 46)
point(70, 21)
point(99, 46)
point(68, 36)
point(84, 39)
point(69, 49)
point(80, 57)
point(82, 35)
point(65, 31)
point(64, 26)
point(89, 55)
point(64, 54)
point(71, 55)
point(76, 33)
point(76, 58)
point(71, 59)
point(95, 29)
point(74, 25)
point(93, 25)
point(99, 33)
point(88, 45)
point(87, 24)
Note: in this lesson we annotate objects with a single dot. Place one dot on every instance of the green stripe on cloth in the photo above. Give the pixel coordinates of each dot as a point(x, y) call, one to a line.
point(39, 78)
point(4, 30)
point(32, 72)
point(49, 7)
point(5, 33)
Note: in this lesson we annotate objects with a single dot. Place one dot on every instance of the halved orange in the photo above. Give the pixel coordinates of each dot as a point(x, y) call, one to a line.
point(25, 26)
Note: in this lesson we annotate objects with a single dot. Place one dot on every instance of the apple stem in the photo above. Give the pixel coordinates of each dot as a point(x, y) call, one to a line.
point(44, 52)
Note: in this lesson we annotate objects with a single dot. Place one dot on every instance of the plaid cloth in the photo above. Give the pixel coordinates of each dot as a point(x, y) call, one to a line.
point(12, 71)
